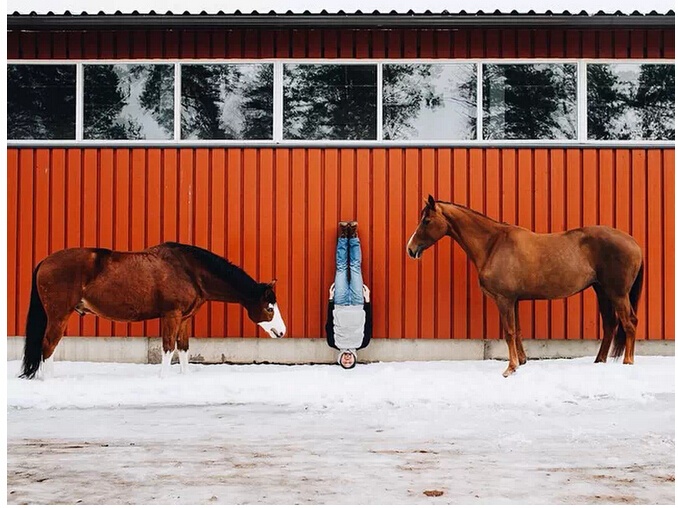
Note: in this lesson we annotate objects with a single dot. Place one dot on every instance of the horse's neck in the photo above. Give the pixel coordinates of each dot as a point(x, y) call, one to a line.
point(220, 290)
point(475, 233)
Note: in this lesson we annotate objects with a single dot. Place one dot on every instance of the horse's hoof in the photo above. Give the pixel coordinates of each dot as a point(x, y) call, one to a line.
point(600, 360)
point(509, 371)
point(523, 361)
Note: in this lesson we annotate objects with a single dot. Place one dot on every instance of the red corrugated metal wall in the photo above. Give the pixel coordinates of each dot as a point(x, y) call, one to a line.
point(274, 211)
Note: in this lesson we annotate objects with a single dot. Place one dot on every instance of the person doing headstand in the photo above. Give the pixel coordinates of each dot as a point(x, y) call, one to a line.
point(349, 315)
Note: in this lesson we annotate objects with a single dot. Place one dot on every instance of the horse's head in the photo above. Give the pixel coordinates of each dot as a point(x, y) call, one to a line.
point(432, 227)
point(264, 311)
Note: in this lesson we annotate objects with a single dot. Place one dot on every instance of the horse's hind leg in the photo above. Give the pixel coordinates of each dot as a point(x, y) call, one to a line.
point(522, 357)
point(629, 321)
point(53, 334)
point(169, 324)
point(182, 346)
point(609, 318)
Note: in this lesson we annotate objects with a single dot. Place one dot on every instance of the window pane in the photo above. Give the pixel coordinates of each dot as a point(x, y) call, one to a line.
point(631, 101)
point(430, 101)
point(530, 101)
point(40, 101)
point(129, 101)
point(330, 102)
point(233, 101)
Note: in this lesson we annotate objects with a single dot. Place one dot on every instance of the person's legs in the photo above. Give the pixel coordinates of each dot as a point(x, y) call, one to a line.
point(355, 263)
point(341, 291)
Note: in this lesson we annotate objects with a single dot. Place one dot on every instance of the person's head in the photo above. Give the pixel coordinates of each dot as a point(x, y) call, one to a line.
point(347, 360)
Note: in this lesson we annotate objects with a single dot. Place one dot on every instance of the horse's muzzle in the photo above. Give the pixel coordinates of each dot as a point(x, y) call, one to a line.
point(414, 253)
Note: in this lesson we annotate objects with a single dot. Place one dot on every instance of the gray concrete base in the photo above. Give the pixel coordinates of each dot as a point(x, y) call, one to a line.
point(300, 351)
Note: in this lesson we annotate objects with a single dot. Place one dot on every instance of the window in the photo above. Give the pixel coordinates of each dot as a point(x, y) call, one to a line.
point(129, 102)
point(41, 101)
point(530, 101)
point(330, 101)
point(429, 101)
point(369, 102)
point(233, 101)
point(631, 101)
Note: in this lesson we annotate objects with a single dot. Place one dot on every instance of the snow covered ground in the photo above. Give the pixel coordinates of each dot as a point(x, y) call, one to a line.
point(559, 431)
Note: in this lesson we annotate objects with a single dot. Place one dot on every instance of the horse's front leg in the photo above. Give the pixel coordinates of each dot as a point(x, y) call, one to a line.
point(182, 346)
point(507, 312)
point(522, 357)
point(170, 324)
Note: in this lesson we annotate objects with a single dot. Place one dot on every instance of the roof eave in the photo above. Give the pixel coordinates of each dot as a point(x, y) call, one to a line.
point(121, 21)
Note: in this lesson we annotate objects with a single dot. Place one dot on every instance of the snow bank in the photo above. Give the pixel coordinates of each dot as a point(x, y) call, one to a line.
point(453, 384)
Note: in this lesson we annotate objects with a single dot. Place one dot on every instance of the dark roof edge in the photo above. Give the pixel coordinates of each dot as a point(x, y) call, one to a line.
point(119, 21)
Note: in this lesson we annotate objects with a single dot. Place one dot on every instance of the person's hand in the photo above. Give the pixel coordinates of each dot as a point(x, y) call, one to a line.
point(366, 293)
point(332, 292)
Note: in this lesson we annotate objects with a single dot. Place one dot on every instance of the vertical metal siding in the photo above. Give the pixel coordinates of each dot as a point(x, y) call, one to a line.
point(374, 43)
point(275, 212)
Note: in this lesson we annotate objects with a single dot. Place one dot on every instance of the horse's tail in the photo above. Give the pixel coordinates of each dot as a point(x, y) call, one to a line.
point(634, 296)
point(36, 324)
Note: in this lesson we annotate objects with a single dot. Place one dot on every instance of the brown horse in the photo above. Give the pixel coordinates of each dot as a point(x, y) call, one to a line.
point(170, 281)
point(517, 264)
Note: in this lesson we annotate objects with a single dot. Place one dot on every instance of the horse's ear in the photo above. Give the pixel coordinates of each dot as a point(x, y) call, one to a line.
point(431, 203)
point(272, 283)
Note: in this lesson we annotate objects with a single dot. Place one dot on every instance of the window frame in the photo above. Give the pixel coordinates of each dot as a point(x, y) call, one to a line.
point(79, 109)
point(336, 61)
point(177, 101)
point(583, 104)
point(278, 141)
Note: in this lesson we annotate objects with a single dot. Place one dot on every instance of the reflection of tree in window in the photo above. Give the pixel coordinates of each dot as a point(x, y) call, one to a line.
point(429, 101)
point(257, 105)
point(631, 101)
point(407, 90)
point(158, 93)
point(330, 102)
point(129, 102)
point(233, 101)
point(656, 99)
point(604, 101)
point(105, 98)
point(536, 101)
point(41, 101)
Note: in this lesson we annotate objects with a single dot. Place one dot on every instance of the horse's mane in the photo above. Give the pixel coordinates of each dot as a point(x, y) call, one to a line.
point(478, 214)
point(222, 268)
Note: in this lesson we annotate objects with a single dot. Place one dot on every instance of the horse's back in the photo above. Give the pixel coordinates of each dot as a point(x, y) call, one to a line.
point(79, 261)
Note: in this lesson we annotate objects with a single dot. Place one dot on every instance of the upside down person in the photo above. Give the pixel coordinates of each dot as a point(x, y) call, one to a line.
point(349, 313)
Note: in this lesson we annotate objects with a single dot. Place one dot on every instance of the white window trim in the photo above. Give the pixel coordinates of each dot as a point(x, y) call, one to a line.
point(278, 63)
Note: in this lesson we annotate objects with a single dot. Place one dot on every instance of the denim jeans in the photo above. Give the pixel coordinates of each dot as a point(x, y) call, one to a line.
point(348, 291)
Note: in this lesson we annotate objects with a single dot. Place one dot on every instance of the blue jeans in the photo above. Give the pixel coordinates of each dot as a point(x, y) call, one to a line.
point(349, 257)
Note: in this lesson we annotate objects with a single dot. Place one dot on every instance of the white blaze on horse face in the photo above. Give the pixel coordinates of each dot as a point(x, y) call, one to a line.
point(417, 254)
point(275, 327)
point(409, 242)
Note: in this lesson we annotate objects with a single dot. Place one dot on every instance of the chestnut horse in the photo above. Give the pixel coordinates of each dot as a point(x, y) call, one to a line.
point(170, 281)
point(517, 264)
